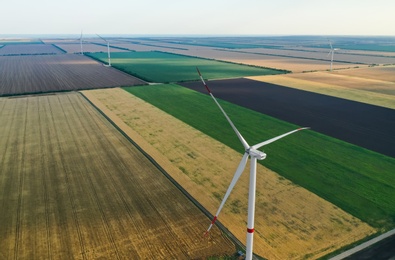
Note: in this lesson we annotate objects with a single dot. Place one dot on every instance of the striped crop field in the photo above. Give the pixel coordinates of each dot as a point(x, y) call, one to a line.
point(73, 187)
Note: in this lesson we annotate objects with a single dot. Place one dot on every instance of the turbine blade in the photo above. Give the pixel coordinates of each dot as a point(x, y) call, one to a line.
point(257, 146)
point(242, 140)
point(330, 44)
point(236, 177)
point(101, 38)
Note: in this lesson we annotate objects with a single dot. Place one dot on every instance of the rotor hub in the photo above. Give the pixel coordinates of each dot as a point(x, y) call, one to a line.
point(259, 155)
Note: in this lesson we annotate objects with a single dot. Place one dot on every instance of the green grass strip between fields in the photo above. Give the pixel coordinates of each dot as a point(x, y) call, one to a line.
point(166, 67)
point(355, 179)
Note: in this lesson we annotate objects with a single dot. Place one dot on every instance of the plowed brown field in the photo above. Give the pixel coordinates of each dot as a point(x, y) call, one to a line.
point(291, 223)
point(72, 187)
point(29, 49)
point(63, 72)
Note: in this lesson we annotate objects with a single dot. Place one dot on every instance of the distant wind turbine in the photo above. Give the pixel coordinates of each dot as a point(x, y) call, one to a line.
point(82, 51)
point(108, 50)
point(332, 53)
point(254, 154)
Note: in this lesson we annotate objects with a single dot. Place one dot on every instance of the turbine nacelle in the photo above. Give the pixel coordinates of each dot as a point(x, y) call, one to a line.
point(256, 153)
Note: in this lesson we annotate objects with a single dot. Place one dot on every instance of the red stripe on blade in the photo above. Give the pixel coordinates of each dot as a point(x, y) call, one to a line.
point(214, 219)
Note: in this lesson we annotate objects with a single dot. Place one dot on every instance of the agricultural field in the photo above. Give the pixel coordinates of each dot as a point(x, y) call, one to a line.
point(270, 61)
point(166, 67)
point(291, 223)
point(73, 187)
point(382, 73)
point(66, 72)
point(292, 64)
point(373, 85)
point(361, 124)
point(273, 52)
point(29, 49)
point(142, 46)
point(80, 189)
point(87, 47)
point(340, 55)
point(368, 43)
point(362, 179)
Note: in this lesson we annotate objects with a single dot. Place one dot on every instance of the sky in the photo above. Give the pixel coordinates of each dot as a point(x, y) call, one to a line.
point(199, 17)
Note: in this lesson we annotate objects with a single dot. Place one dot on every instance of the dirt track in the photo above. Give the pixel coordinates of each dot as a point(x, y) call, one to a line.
point(364, 125)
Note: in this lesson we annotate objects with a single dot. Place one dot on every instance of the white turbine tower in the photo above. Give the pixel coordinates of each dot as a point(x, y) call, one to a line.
point(332, 53)
point(255, 154)
point(108, 50)
point(82, 51)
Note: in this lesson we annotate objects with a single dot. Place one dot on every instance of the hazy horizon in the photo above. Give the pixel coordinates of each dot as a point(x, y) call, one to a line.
point(202, 18)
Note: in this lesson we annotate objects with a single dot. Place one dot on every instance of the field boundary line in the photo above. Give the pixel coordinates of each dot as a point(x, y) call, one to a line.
point(167, 175)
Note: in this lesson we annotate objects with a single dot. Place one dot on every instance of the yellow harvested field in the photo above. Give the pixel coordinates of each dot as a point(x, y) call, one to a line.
point(291, 222)
point(382, 73)
point(370, 91)
point(73, 187)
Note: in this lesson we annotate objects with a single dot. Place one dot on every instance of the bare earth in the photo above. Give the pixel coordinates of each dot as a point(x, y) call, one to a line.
point(72, 187)
point(291, 223)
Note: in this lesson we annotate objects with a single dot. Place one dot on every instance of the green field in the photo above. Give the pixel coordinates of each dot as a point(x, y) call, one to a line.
point(355, 179)
point(165, 67)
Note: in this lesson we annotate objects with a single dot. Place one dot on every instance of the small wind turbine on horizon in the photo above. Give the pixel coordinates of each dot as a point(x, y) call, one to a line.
point(332, 53)
point(108, 50)
point(82, 51)
point(254, 154)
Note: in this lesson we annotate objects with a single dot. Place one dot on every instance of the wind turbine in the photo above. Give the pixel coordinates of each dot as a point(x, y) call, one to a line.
point(82, 51)
point(108, 50)
point(254, 154)
point(332, 52)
